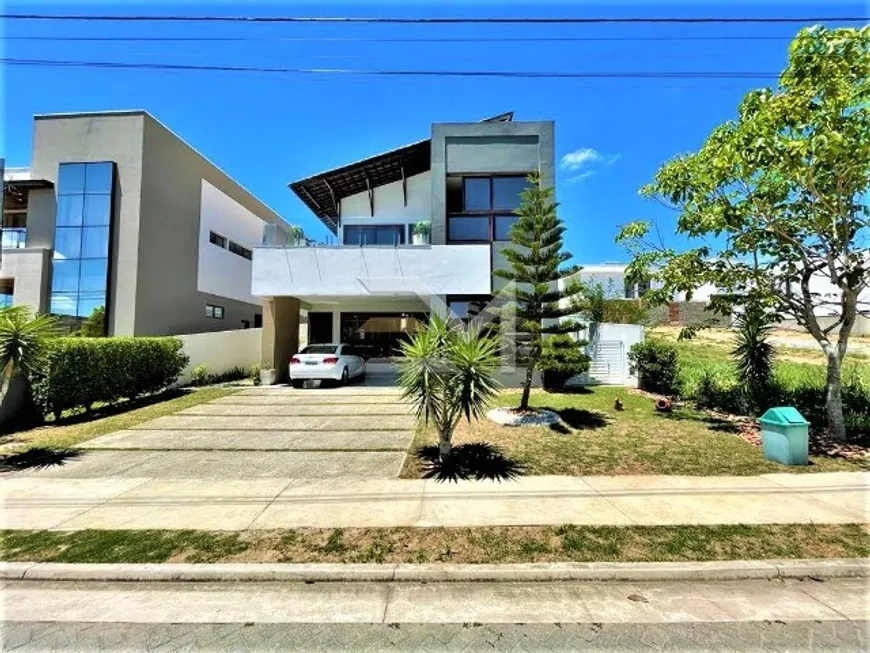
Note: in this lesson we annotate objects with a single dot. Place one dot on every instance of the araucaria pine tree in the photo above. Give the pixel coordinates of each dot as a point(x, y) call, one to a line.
point(534, 299)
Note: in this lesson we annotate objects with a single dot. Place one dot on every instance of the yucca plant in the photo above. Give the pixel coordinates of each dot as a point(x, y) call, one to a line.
point(24, 341)
point(448, 373)
point(754, 353)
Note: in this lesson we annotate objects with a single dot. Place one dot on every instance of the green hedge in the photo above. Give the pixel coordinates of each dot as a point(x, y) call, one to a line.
point(655, 364)
point(84, 371)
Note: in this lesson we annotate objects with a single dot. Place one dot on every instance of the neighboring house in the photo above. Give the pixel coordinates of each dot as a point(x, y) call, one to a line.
point(116, 211)
point(611, 276)
point(375, 286)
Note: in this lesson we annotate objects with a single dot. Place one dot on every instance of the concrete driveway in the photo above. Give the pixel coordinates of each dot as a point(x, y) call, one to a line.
point(359, 431)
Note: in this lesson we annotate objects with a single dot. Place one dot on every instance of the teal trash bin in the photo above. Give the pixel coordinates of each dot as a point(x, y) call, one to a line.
point(785, 436)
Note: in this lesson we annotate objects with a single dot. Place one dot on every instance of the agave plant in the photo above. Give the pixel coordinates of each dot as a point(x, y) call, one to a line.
point(23, 356)
point(753, 353)
point(448, 373)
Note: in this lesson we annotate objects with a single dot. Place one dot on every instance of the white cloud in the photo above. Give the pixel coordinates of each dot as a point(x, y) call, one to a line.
point(578, 178)
point(585, 162)
point(579, 158)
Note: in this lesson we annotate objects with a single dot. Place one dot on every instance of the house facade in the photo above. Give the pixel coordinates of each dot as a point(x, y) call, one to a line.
point(116, 211)
point(378, 282)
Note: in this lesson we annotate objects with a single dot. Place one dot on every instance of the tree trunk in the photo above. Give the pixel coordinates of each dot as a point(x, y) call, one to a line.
point(444, 446)
point(17, 408)
point(527, 386)
point(834, 396)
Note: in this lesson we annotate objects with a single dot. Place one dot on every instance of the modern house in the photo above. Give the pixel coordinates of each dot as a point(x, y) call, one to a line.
point(116, 211)
point(376, 284)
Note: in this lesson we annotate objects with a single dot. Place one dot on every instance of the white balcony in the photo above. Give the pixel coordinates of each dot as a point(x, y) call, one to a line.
point(312, 272)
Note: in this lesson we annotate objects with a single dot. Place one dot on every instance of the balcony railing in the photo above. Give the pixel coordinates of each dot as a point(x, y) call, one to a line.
point(14, 238)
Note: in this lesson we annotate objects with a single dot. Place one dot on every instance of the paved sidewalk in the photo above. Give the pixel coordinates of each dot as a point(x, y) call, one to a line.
point(266, 503)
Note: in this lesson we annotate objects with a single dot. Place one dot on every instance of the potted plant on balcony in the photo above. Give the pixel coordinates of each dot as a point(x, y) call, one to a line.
point(295, 236)
point(420, 233)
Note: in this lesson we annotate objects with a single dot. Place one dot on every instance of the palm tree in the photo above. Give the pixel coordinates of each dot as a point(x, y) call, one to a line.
point(23, 355)
point(448, 373)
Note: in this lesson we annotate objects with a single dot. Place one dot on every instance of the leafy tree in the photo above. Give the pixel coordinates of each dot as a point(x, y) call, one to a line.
point(534, 301)
point(753, 354)
point(94, 326)
point(782, 189)
point(23, 356)
point(447, 374)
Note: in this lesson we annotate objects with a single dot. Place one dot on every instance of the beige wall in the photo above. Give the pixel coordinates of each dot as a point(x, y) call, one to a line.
point(221, 351)
point(169, 238)
point(29, 270)
point(100, 137)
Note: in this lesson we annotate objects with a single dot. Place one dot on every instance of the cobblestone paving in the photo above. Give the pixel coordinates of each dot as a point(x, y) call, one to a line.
point(517, 638)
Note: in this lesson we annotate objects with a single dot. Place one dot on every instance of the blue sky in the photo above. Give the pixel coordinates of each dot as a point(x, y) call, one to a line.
point(266, 130)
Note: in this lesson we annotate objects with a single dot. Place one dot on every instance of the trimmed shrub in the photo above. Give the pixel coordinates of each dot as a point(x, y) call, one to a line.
point(561, 358)
point(84, 371)
point(199, 375)
point(655, 364)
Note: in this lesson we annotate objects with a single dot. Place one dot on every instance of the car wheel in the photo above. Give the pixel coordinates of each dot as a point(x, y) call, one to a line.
point(297, 383)
point(344, 376)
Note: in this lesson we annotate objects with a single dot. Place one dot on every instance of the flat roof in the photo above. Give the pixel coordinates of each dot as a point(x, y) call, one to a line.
point(323, 192)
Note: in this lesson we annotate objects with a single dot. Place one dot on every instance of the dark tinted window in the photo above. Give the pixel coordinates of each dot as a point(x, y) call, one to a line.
point(319, 349)
point(506, 192)
point(476, 194)
point(386, 235)
point(502, 226)
point(468, 228)
point(454, 195)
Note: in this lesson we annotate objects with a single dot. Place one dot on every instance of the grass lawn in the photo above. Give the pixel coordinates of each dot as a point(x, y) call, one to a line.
point(69, 431)
point(503, 544)
point(638, 440)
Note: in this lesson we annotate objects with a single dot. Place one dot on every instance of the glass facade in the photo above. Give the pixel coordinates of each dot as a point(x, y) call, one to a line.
point(481, 209)
point(80, 270)
point(388, 235)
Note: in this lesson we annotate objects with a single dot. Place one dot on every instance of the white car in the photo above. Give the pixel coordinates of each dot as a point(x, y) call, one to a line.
point(327, 363)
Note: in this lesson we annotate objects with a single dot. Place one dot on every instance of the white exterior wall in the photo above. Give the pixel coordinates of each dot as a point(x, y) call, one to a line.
point(28, 268)
point(219, 271)
point(354, 272)
point(221, 351)
point(389, 205)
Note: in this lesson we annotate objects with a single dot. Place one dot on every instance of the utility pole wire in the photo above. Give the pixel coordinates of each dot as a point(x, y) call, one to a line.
point(400, 73)
point(438, 21)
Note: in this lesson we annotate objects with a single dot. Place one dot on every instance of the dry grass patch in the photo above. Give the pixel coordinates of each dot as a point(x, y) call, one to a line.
point(507, 544)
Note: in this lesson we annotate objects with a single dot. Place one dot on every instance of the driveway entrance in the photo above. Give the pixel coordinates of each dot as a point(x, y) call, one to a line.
point(361, 431)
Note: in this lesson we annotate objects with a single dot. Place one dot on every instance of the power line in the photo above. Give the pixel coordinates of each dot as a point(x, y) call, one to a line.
point(438, 20)
point(448, 39)
point(396, 73)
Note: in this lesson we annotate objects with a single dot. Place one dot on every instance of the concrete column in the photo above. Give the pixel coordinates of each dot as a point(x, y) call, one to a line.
point(336, 325)
point(280, 334)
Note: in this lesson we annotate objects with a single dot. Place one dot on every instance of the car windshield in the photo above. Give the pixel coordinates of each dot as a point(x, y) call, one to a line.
point(319, 349)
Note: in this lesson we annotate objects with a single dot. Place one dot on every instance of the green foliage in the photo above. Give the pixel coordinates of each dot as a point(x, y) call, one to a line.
point(753, 354)
point(295, 234)
point(199, 375)
point(561, 358)
point(447, 374)
point(254, 373)
point(422, 228)
point(81, 372)
point(625, 311)
point(655, 364)
point(94, 326)
point(782, 191)
point(24, 341)
point(533, 301)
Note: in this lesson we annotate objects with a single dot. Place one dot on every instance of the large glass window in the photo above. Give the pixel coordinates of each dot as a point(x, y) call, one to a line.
point(80, 270)
point(7, 290)
point(386, 235)
point(481, 209)
point(15, 217)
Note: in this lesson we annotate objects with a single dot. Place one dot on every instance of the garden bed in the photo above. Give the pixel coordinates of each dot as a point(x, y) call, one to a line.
point(596, 439)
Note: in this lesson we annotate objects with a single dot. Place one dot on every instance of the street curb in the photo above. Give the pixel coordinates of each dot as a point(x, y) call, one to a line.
point(538, 572)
